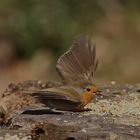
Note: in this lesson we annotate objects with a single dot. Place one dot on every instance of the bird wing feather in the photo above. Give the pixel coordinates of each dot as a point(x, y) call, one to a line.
point(79, 62)
point(56, 93)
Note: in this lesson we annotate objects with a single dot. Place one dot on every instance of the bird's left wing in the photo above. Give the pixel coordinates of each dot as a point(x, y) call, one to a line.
point(56, 93)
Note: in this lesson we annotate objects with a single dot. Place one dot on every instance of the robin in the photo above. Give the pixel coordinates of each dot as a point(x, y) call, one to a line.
point(76, 67)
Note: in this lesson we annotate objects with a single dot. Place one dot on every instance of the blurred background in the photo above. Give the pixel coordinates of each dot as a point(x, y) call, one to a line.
point(34, 33)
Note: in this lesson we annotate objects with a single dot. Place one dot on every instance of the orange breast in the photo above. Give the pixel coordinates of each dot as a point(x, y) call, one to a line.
point(87, 97)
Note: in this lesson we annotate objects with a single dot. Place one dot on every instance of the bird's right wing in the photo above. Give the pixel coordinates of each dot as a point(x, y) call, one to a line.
point(79, 62)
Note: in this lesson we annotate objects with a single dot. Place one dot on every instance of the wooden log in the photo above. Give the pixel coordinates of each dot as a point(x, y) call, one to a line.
point(115, 115)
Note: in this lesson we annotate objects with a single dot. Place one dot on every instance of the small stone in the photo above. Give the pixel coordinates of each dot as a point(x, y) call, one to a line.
point(43, 85)
point(132, 131)
point(107, 90)
point(101, 96)
point(124, 90)
point(84, 130)
point(113, 82)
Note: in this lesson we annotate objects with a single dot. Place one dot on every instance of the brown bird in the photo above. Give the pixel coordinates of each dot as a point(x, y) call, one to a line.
point(76, 67)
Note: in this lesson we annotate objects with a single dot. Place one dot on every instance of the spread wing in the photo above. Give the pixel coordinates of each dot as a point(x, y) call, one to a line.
point(55, 94)
point(79, 62)
point(65, 99)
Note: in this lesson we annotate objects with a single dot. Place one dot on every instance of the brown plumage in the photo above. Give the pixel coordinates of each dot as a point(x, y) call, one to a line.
point(78, 63)
point(76, 68)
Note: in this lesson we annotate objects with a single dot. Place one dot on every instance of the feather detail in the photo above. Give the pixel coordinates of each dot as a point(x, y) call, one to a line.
point(58, 98)
point(56, 93)
point(79, 62)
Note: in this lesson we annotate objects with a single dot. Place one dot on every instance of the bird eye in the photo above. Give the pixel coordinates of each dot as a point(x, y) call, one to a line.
point(88, 89)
